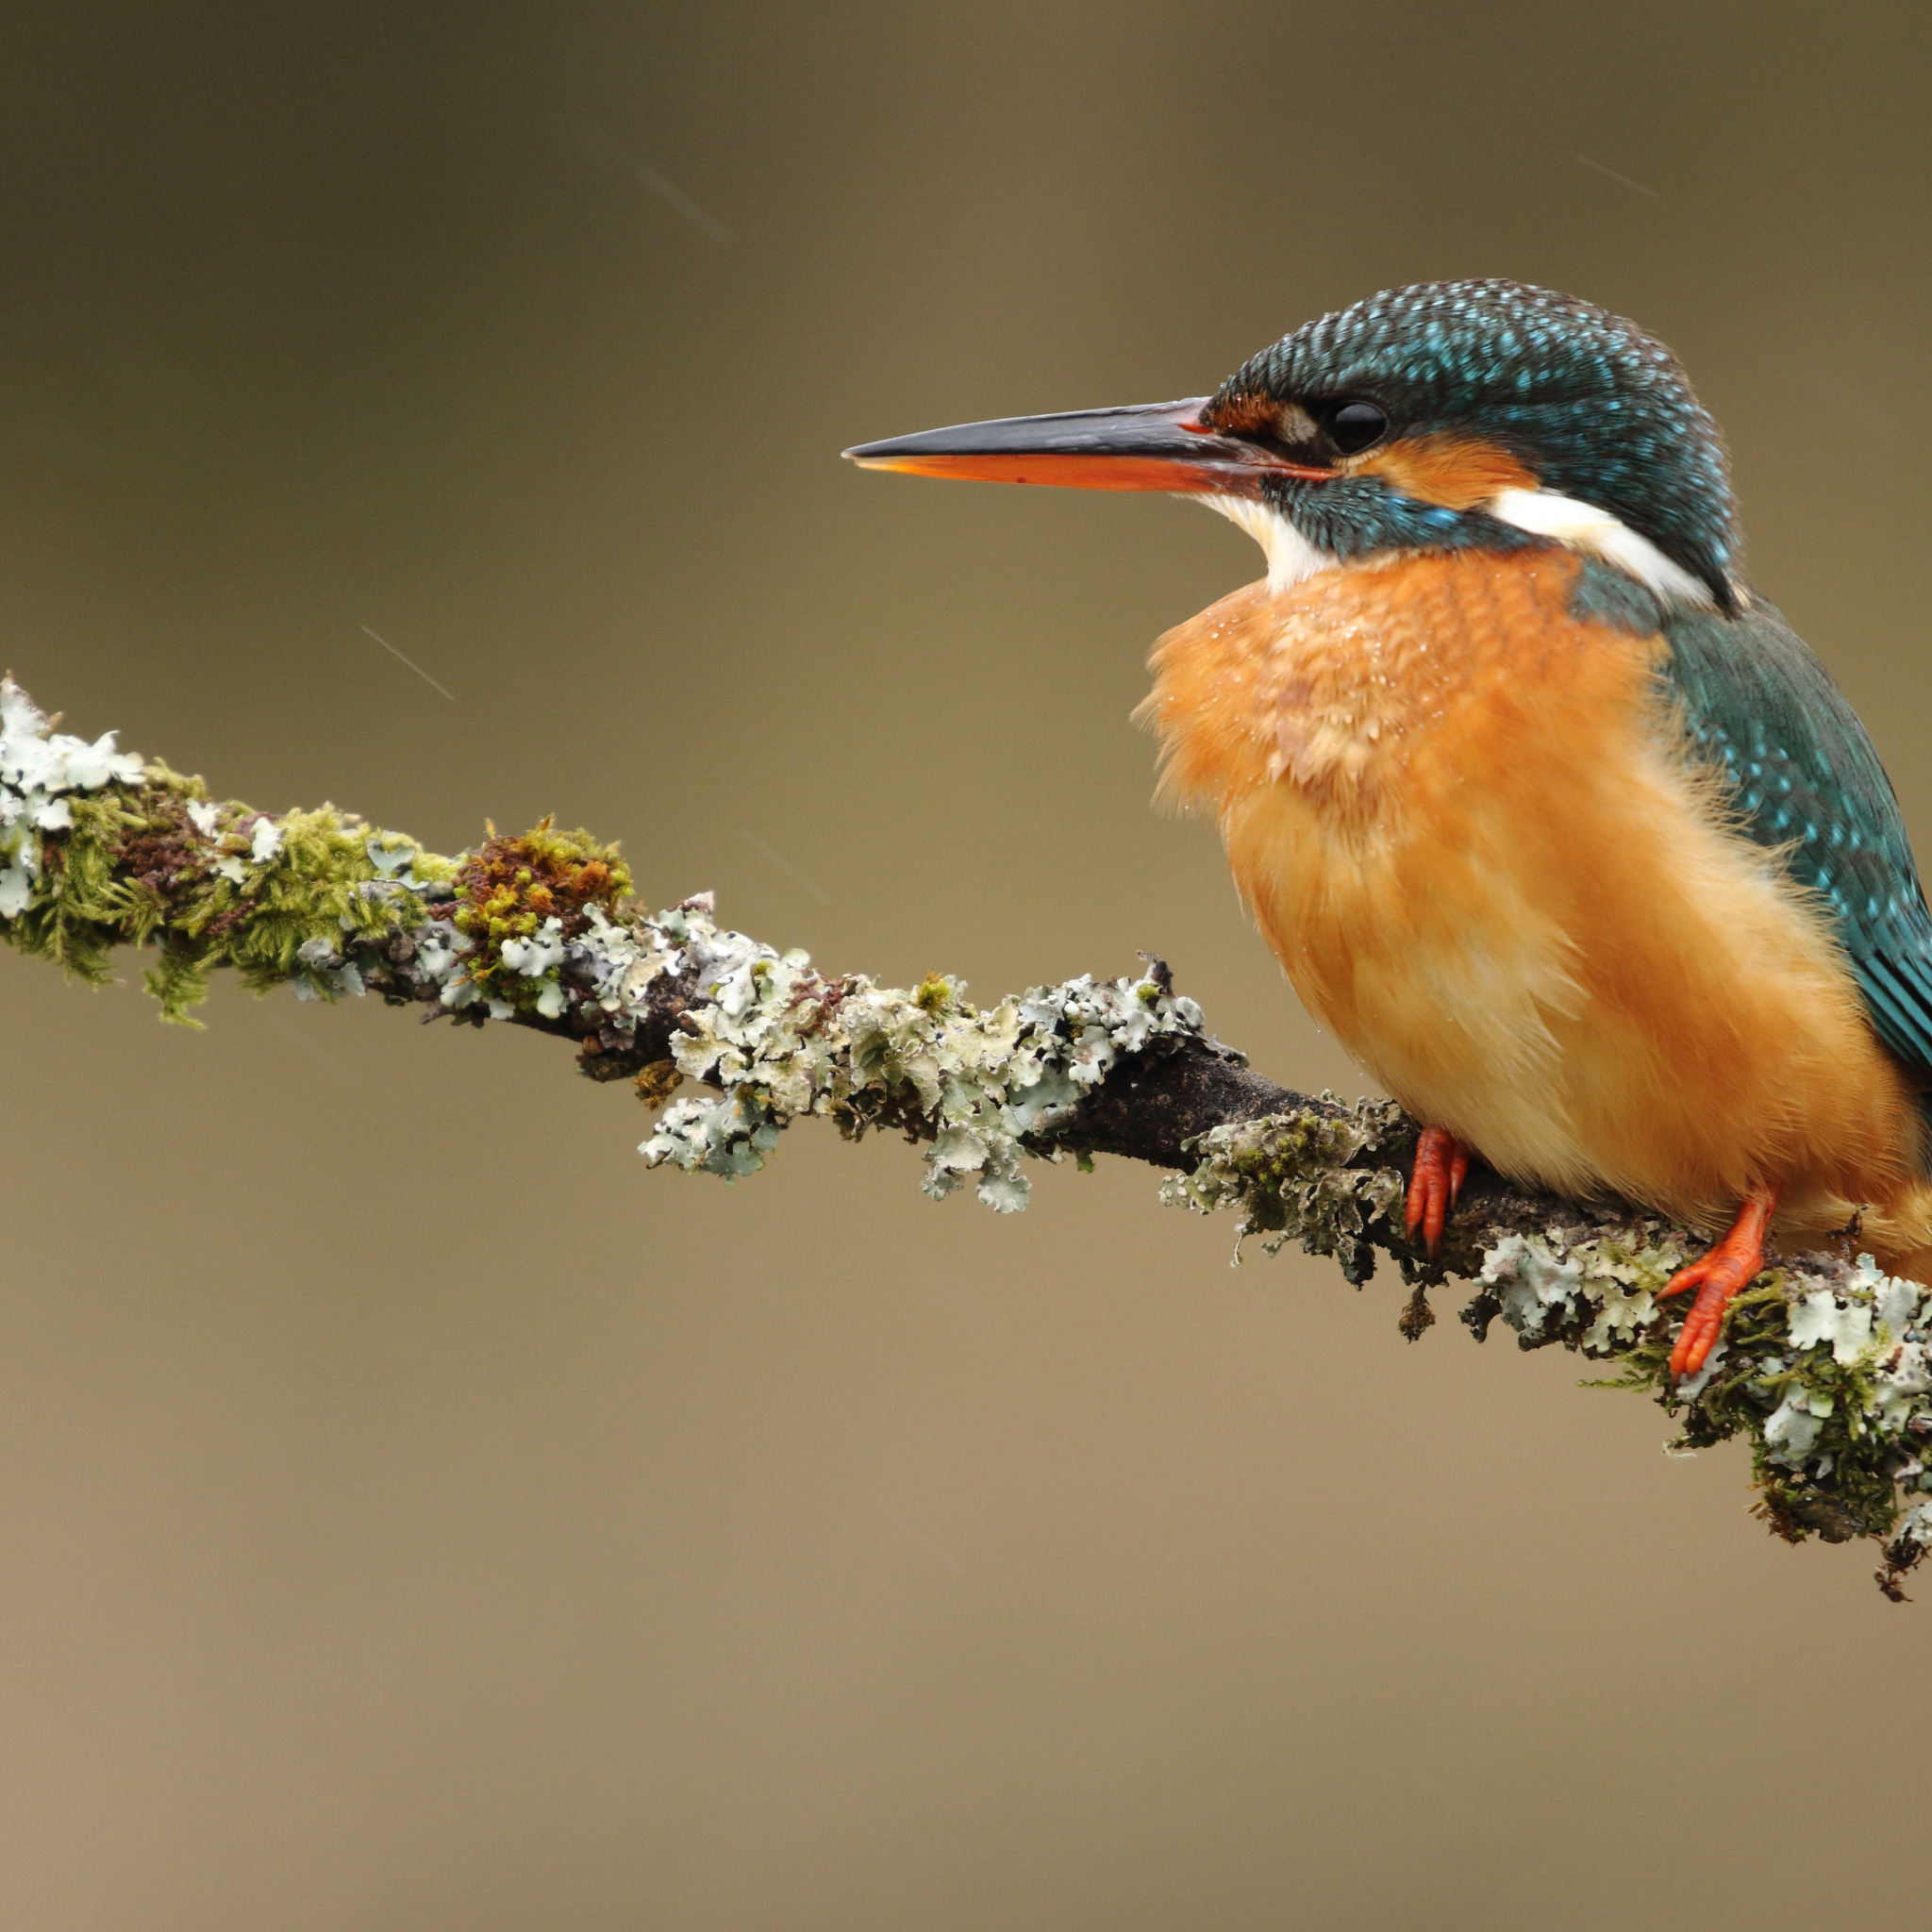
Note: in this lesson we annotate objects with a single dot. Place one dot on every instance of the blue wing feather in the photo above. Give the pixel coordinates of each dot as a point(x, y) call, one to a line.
point(1806, 780)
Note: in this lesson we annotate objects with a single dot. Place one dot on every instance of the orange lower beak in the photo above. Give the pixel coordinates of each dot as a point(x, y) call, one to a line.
point(1146, 447)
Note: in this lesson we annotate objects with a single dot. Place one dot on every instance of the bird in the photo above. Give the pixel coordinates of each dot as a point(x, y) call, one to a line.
point(1548, 816)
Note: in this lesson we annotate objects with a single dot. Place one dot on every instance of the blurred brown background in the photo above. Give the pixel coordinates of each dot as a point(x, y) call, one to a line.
point(416, 1516)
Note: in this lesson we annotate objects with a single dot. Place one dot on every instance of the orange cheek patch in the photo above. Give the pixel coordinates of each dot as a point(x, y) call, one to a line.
point(1456, 472)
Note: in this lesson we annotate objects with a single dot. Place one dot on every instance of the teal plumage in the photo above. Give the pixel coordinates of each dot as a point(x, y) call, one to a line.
point(1597, 408)
point(1806, 781)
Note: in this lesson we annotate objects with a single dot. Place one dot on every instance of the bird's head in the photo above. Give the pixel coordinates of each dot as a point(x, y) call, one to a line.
point(1445, 416)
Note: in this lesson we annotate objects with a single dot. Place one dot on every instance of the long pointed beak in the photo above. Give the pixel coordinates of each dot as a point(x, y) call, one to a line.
point(1145, 447)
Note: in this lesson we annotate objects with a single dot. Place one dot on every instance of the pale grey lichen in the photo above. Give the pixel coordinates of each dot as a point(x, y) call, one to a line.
point(779, 1041)
point(1603, 1286)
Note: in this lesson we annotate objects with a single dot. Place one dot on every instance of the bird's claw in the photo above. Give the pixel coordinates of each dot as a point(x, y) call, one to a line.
point(1441, 1165)
point(1719, 1275)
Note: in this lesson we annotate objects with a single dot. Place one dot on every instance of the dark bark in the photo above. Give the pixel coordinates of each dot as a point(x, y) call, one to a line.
point(1152, 1104)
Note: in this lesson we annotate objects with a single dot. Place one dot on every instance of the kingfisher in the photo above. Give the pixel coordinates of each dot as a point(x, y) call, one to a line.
point(1550, 818)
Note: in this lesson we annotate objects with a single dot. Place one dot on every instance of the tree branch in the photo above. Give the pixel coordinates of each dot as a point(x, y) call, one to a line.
point(1825, 1367)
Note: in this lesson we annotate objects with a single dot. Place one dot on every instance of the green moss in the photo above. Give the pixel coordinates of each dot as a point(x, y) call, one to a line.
point(134, 868)
point(179, 982)
point(1848, 1483)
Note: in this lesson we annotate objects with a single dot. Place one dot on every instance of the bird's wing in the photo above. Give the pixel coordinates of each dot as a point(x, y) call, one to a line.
point(1806, 778)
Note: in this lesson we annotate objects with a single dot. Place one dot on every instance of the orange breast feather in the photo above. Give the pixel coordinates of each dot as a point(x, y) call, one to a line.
point(1470, 829)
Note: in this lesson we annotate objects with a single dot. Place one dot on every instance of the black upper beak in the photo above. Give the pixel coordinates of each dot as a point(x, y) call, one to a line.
point(1144, 446)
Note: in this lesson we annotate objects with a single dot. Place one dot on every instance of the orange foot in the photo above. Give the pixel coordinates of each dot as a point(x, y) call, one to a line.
point(1441, 1165)
point(1735, 1263)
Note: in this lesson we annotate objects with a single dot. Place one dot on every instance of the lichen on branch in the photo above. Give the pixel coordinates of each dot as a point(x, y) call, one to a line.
point(1826, 1366)
point(979, 1089)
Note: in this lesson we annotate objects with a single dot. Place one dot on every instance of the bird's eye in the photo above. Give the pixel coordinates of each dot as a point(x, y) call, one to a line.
point(1356, 426)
